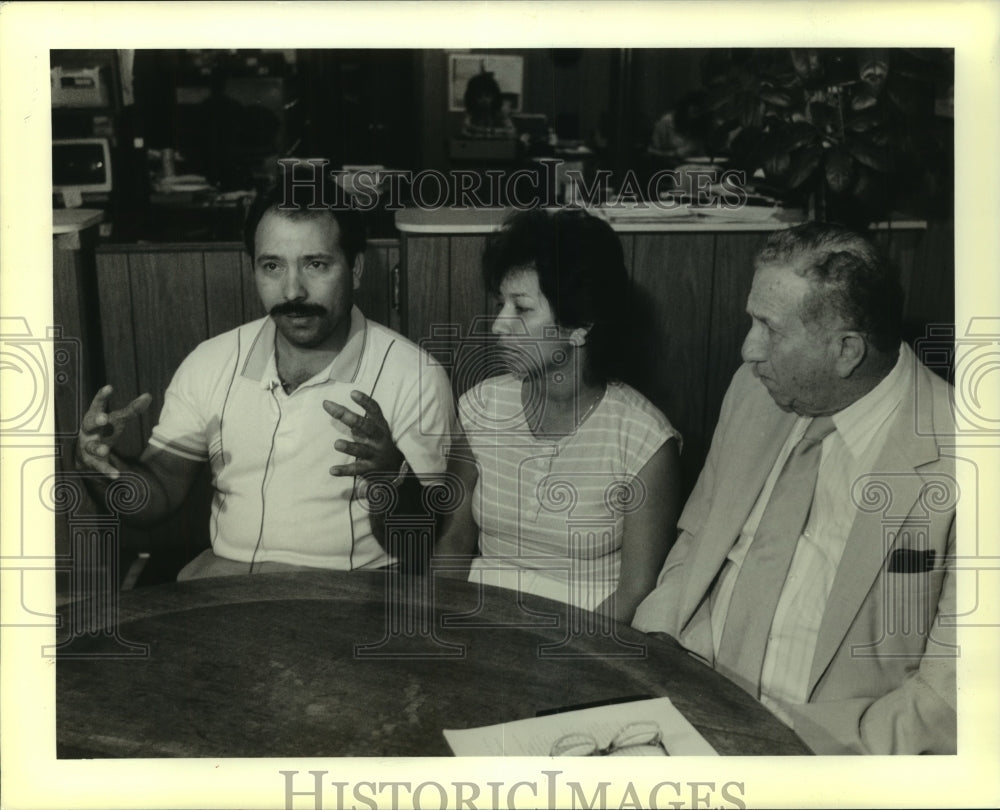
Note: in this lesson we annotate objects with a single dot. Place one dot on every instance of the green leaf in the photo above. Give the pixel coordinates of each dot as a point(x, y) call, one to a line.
point(720, 93)
point(864, 120)
point(776, 166)
point(806, 62)
point(870, 155)
point(803, 164)
point(752, 112)
point(862, 182)
point(799, 134)
point(822, 115)
point(863, 99)
point(882, 139)
point(904, 93)
point(873, 67)
point(779, 98)
point(839, 170)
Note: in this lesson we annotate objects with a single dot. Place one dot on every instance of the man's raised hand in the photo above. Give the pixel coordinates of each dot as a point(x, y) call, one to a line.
point(372, 444)
point(100, 430)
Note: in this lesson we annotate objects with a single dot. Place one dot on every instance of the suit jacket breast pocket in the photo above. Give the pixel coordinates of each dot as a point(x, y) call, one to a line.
point(912, 584)
point(911, 561)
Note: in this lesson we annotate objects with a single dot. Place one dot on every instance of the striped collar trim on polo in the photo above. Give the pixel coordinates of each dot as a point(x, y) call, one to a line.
point(260, 363)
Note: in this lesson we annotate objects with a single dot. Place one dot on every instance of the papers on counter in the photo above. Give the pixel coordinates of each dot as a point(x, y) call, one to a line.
point(656, 213)
point(604, 725)
point(175, 183)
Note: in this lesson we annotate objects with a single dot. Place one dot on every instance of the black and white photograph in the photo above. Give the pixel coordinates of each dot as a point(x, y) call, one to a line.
point(391, 425)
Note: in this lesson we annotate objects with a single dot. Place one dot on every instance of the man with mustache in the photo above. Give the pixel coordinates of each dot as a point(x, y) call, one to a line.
point(298, 414)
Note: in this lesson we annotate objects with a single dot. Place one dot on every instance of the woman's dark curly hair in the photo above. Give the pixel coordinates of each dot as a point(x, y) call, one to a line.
point(581, 272)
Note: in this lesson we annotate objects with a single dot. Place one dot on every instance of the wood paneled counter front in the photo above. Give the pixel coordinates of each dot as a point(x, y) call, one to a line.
point(690, 279)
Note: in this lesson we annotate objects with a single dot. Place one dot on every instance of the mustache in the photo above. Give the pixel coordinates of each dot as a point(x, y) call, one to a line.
point(297, 308)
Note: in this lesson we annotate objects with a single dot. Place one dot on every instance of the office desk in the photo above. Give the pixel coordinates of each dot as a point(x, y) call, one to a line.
point(363, 664)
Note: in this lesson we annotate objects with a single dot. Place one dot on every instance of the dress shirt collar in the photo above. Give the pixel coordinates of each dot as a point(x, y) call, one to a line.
point(261, 364)
point(859, 423)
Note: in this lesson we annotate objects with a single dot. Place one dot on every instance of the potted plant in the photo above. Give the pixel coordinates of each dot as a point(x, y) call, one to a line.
point(855, 134)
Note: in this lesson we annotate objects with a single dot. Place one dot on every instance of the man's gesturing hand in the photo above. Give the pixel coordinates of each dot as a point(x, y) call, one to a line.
point(99, 430)
point(372, 446)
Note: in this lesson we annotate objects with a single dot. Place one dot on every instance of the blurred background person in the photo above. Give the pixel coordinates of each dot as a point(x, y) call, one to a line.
point(486, 115)
point(682, 132)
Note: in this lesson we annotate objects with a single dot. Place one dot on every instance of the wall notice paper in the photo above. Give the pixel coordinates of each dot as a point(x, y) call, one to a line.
point(637, 728)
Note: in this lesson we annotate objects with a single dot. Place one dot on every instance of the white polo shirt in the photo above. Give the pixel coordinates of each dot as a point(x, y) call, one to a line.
point(271, 452)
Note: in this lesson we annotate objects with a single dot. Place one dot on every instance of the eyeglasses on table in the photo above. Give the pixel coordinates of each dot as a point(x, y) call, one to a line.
point(642, 738)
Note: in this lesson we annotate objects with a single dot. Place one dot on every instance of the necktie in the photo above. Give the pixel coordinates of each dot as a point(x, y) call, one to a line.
point(762, 574)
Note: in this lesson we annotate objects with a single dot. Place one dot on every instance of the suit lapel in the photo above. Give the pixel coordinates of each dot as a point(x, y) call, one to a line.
point(887, 496)
point(738, 486)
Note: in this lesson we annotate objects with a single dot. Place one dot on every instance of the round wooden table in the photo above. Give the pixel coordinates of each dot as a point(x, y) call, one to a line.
point(324, 663)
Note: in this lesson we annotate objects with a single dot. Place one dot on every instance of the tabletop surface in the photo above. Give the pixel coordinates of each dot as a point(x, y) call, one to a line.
point(324, 663)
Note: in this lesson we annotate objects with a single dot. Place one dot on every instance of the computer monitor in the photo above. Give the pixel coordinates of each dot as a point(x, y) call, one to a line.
point(534, 125)
point(81, 165)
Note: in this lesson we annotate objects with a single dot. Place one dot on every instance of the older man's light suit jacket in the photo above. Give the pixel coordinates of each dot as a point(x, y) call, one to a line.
point(883, 674)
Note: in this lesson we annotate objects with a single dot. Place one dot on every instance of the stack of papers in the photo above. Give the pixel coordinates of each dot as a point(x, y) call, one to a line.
point(653, 213)
point(620, 723)
point(175, 183)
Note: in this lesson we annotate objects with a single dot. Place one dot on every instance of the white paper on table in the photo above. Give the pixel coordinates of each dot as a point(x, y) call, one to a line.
point(535, 736)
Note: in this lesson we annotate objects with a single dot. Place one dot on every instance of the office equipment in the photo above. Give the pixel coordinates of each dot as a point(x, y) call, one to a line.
point(78, 87)
point(81, 165)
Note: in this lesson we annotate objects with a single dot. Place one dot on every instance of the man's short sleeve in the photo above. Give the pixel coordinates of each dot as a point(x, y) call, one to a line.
point(182, 428)
point(424, 428)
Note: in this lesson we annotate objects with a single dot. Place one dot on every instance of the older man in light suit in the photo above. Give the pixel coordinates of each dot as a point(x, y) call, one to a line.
point(814, 563)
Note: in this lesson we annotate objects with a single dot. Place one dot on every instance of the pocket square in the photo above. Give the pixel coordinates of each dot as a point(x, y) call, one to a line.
point(911, 561)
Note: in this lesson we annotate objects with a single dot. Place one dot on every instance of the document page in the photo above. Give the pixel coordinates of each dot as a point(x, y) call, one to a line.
point(637, 728)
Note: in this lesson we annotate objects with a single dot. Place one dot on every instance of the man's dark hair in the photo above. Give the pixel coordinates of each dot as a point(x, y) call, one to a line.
point(852, 279)
point(312, 194)
point(581, 271)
